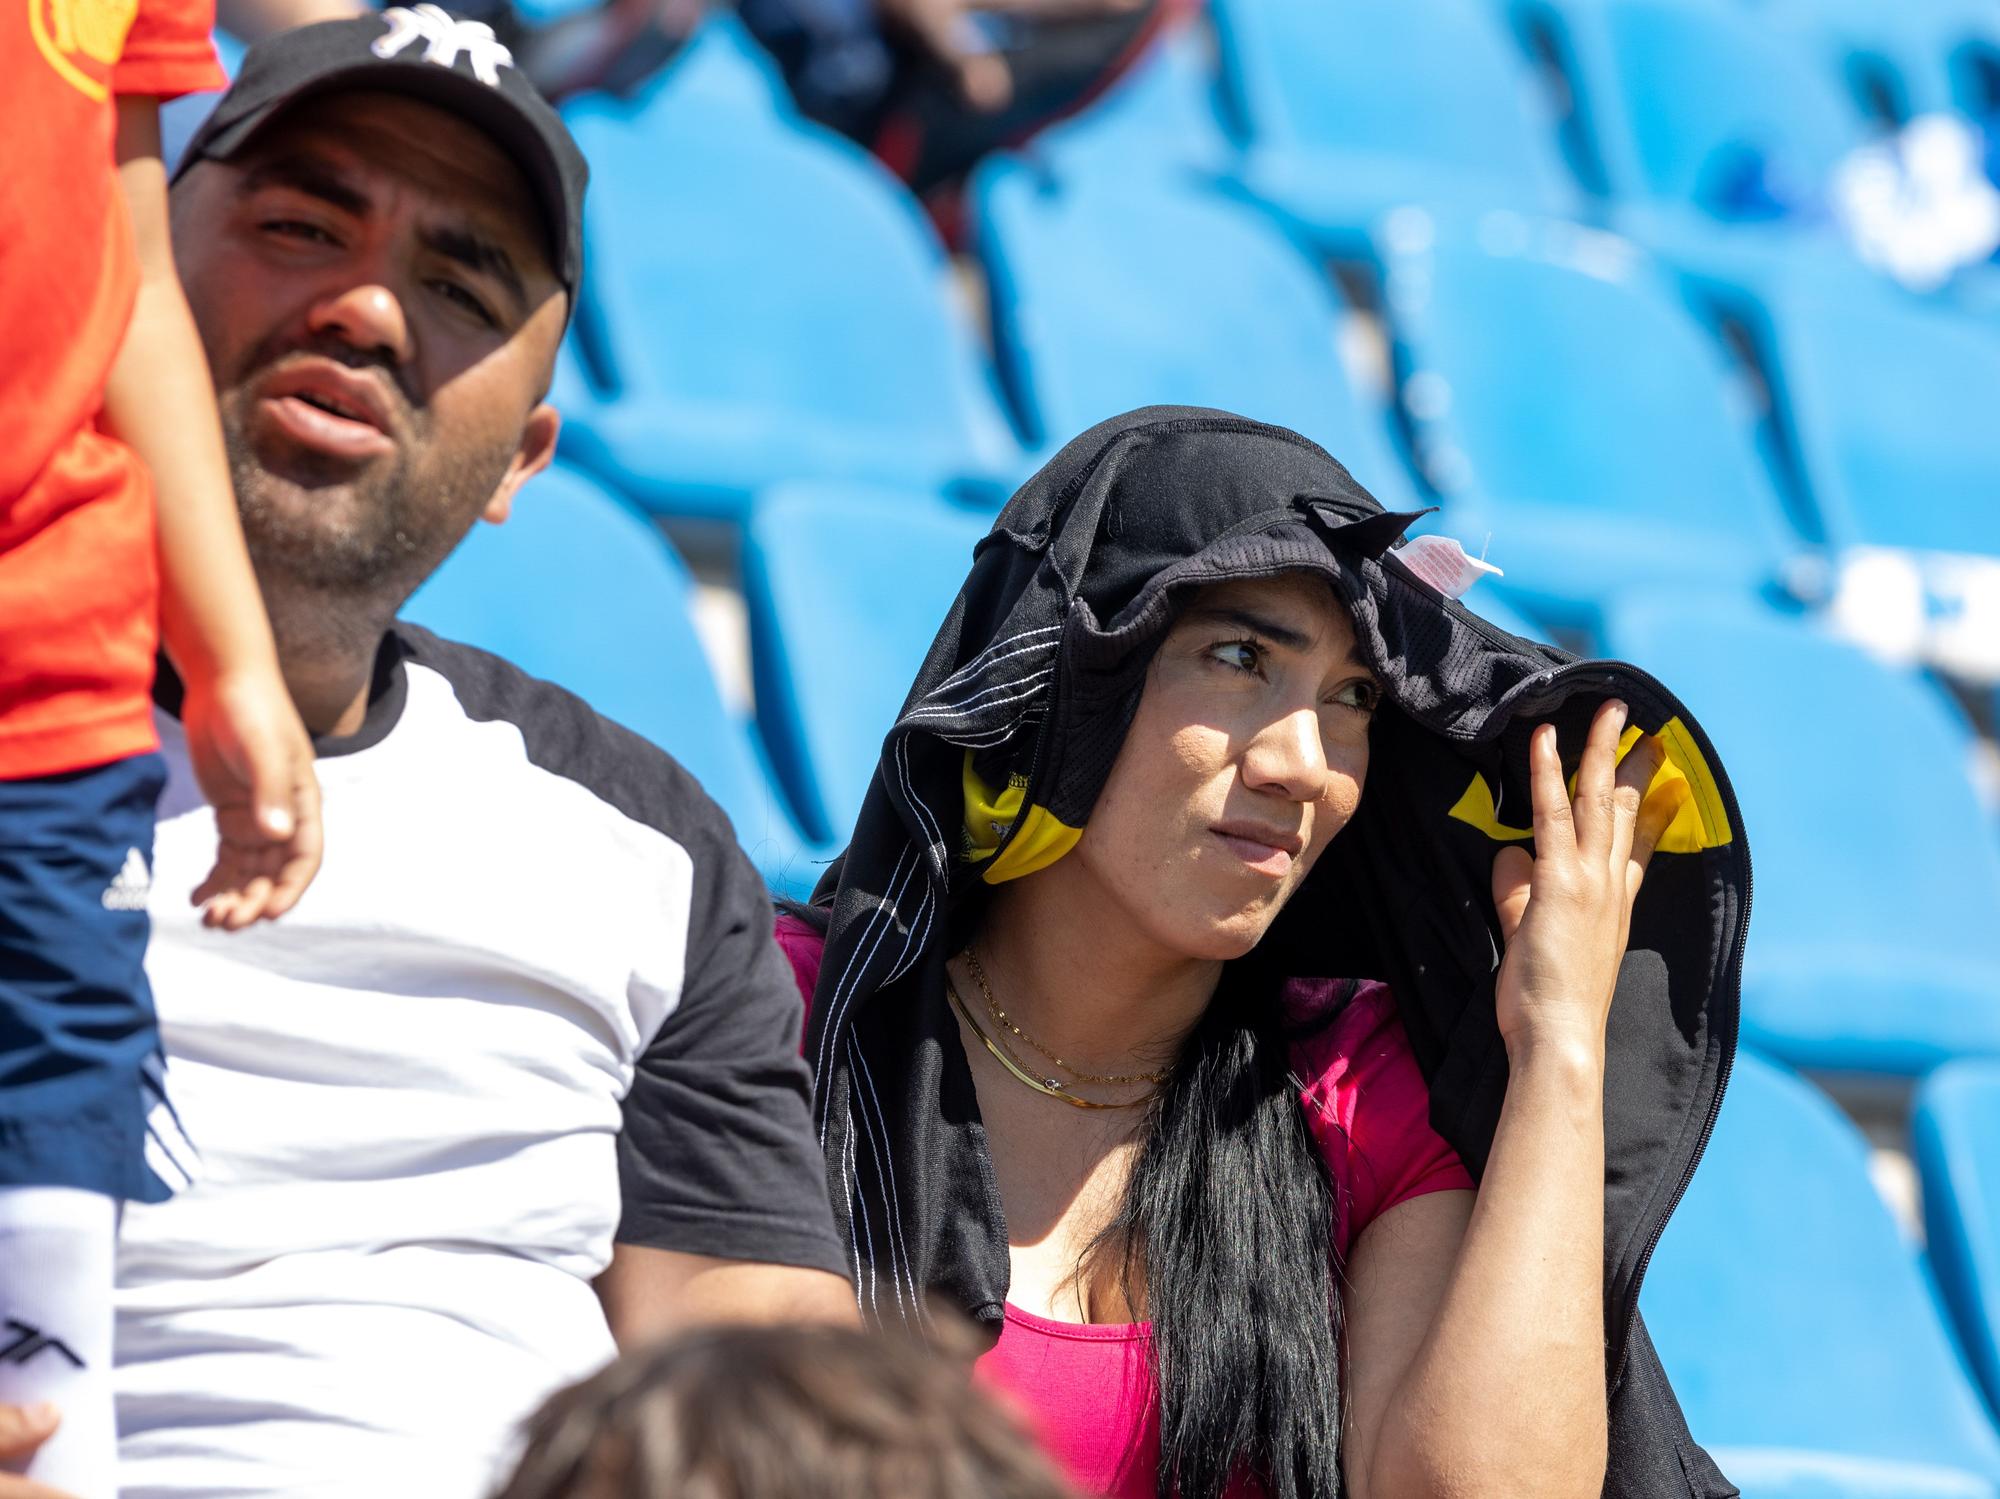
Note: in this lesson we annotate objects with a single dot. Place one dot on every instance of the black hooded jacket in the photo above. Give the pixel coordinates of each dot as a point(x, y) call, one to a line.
point(1037, 671)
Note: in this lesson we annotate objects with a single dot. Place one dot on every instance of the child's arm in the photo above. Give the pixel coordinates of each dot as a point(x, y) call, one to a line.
point(248, 748)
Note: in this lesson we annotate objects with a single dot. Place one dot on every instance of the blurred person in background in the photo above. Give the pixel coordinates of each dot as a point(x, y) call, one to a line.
point(782, 1413)
point(933, 86)
point(519, 1080)
point(1088, 1072)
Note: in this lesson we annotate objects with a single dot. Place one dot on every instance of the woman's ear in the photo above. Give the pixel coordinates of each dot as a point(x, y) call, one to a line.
point(537, 448)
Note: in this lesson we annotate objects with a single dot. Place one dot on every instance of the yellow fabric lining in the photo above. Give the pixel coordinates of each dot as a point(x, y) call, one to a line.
point(1700, 823)
point(1038, 842)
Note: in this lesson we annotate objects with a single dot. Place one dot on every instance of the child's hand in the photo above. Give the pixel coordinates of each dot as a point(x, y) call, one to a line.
point(255, 765)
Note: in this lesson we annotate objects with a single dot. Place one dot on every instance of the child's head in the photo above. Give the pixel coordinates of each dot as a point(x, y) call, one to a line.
point(780, 1413)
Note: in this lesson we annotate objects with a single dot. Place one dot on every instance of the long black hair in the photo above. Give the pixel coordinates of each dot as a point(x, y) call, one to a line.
point(1227, 1222)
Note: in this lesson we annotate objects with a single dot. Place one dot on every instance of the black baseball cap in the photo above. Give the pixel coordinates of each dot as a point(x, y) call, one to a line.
point(429, 54)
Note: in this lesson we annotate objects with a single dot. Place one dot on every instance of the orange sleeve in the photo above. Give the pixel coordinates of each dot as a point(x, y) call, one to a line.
point(168, 51)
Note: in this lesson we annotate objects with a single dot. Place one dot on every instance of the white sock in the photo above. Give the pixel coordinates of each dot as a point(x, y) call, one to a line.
point(57, 1250)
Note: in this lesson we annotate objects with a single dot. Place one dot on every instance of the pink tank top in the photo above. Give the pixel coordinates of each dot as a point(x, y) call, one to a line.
point(1086, 1389)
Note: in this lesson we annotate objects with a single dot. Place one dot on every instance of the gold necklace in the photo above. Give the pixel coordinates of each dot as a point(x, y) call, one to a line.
point(999, 1015)
point(1051, 1086)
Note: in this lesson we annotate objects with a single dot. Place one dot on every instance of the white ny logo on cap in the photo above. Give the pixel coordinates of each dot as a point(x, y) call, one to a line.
point(444, 37)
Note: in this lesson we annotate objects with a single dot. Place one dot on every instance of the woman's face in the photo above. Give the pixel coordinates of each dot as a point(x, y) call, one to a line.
point(1246, 756)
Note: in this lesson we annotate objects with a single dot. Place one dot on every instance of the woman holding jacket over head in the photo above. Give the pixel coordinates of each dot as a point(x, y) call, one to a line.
point(1238, 995)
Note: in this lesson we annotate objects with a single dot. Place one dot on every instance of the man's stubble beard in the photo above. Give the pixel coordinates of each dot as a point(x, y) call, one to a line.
point(398, 525)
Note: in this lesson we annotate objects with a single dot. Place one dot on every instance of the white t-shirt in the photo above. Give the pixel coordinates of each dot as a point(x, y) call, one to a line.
point(530, 1005)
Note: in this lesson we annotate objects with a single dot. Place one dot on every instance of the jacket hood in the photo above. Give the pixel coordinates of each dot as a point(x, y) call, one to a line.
point(1020, 709)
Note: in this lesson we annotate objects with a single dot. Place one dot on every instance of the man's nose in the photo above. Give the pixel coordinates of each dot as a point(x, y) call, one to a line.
point(368, 316)
point(1288, 757)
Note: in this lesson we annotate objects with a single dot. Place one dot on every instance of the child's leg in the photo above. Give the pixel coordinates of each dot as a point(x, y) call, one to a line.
point(77, 1044)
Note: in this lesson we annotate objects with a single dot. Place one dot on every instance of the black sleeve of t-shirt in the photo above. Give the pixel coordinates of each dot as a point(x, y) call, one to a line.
point(718, 1155)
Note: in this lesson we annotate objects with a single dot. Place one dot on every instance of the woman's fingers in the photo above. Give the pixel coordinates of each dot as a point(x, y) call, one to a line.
point(1596, 811)
point(1513, 875)
point(1635, 774)
point(1656, 814)
point(1555, 829)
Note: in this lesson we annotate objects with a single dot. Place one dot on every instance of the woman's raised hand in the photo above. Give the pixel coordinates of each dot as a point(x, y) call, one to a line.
point(1565, 910)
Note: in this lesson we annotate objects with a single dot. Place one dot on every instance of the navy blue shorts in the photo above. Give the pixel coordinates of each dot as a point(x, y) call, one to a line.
point(79, 1045)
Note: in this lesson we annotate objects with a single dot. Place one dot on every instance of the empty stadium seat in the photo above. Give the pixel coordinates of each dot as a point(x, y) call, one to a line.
point(1796, 1321)
point(846, 588)
point(1162, 116)
point(1109, 296)
point(1562, 401)
point(581, 591)
point(1955, 1139)
point(1350, 107)
point(1700, 105)
point(1874, 945)
point(1891, 403)
point(1907, 58)
point(764, 302)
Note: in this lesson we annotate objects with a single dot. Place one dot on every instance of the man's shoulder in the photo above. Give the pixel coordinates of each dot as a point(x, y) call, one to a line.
point(563, 735)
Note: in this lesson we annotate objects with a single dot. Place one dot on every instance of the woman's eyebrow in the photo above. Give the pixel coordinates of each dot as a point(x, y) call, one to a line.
point(1254, 623)
point(1281, 635)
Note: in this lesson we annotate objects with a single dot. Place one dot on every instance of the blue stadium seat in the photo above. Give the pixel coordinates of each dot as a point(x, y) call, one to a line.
point(1797, 1322)
point(1162, 117)
point(1108, 296)
point(846, 589)
point(581, 591)
point(1561, 401)
point(1891, 403)
point(547, 12)
point(1350, 107)
point(1955, 1139)
point(1919, 56)
point(764, 302)
point(1874, 944)
point(1701, 105)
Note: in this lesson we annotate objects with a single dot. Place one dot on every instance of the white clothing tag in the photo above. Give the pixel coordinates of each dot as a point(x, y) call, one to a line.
point(1443, 563)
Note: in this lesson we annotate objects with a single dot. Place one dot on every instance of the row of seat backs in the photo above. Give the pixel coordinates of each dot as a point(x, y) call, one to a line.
point(1572, 107)
point(737, 336)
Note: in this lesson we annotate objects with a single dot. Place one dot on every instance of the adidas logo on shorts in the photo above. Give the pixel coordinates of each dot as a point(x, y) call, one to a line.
point(130, 886)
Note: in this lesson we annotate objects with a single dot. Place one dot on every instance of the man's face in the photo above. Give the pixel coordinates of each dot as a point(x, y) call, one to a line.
point(372, 284)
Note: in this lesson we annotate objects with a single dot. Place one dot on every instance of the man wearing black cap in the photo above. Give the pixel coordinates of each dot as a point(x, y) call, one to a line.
point(531, 1011)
